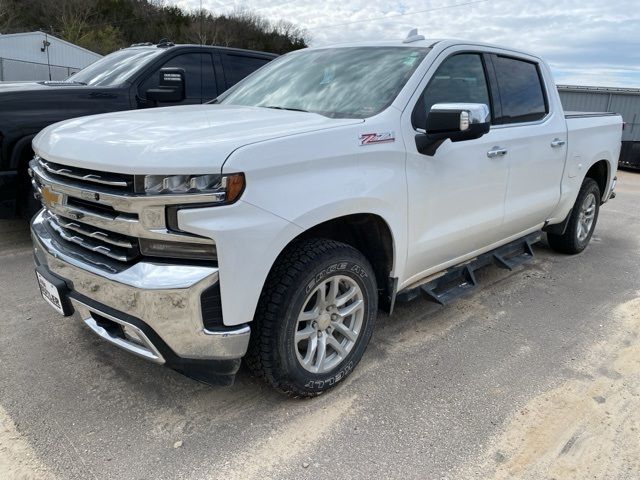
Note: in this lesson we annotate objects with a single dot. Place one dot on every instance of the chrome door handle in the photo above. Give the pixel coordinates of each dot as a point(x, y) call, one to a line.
point(557, 143)
point(497, 152)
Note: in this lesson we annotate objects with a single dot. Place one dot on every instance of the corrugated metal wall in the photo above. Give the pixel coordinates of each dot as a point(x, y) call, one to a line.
point(15, 70)
point(23, 57)
point(606, 100)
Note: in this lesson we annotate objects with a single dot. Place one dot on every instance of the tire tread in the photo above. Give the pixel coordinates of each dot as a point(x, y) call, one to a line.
point(262, 357)
point(568, 242)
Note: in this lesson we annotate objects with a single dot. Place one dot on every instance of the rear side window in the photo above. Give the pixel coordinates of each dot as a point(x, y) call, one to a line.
point(236, 67)
point(521, 92)
point(198, 76)
point(460, 79)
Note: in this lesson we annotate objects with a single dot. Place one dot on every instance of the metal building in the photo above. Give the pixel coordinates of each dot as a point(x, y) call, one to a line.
point(39, 56)
point(625, 101)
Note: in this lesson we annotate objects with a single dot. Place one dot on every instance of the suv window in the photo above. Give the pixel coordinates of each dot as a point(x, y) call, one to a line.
point(521, 93)
point(459, 79)
point(236, 67)
point(198, 76)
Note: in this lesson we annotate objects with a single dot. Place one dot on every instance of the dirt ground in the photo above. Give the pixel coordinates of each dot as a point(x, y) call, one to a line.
point(534, 375)
point(587, 427)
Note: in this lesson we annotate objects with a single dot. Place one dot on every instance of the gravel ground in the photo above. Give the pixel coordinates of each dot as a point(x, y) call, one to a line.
point(536, 374)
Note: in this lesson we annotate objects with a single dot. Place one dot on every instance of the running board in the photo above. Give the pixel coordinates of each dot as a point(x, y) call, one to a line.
point(457, 281)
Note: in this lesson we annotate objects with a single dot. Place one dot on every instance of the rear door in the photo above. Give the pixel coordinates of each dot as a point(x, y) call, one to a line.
point(534, 135)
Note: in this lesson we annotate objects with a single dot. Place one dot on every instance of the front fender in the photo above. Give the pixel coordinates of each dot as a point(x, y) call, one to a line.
point(248, 241)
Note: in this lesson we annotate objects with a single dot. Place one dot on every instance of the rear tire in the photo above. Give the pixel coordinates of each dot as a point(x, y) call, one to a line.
point(582, 220)
point(314, 318)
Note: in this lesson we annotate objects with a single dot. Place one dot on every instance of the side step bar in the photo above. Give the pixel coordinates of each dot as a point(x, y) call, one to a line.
point(458, 280)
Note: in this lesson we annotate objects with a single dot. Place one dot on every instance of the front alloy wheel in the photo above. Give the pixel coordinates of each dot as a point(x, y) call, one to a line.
point(314, 318)
point(329, 324)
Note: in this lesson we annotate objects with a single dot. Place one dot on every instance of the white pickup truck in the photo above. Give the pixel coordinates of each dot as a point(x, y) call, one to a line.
point(270, 224)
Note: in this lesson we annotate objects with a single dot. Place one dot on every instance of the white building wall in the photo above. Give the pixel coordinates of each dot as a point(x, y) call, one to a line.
point(23, 58)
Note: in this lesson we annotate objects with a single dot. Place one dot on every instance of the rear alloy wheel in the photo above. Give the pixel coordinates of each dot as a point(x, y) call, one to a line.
point(314, 318)
point(586, 217)
point(582, 220)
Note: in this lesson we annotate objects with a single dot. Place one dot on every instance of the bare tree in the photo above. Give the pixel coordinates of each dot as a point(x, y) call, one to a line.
point(106, 25)
point(73, 18)
point(6, 16)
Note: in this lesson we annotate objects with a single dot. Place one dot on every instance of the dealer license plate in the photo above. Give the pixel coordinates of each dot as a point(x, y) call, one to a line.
point(50, 293)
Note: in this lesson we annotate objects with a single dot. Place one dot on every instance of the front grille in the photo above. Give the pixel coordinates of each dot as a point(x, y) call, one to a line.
point(101, 213)
point(83, 176)
point(113, 245)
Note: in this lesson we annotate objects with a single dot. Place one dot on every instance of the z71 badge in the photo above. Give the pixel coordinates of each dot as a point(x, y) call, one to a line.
point(373, 138)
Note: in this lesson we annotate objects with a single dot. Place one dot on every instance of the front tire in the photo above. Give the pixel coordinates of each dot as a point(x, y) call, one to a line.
point(582, 220)
point(314, 318)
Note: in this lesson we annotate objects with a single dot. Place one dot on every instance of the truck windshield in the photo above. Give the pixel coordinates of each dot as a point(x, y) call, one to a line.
point(115, 68)
point(352, 82)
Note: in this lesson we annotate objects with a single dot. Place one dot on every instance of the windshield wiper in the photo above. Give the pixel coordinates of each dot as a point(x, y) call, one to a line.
point(62, 82)
point(286, 108)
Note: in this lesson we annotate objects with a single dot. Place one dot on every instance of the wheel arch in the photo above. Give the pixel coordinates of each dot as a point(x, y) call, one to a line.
point(20, 147)
point(368, 233)
point(600, 171)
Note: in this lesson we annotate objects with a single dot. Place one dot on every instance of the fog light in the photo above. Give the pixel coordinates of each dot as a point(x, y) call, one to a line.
point(194, 251)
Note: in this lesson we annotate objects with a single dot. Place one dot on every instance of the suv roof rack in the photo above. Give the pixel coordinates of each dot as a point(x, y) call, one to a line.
point(165, 43)
point(161, 44)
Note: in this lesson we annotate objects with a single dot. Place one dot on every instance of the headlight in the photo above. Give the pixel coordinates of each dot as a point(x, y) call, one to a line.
point(224, 188)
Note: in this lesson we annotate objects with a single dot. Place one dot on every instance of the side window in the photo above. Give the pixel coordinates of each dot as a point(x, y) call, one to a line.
point(521, 93)
point(236, 67)
point(459, 79)
point(200, 84)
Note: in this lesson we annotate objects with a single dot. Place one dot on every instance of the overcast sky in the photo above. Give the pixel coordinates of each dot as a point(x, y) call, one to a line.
point(587, 42)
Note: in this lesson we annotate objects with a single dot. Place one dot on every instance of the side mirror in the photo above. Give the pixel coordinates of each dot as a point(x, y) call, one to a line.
point(170, 86)
point(454, 121)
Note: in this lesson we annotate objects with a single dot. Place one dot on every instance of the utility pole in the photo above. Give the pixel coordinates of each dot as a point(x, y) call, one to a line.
point(46, 46)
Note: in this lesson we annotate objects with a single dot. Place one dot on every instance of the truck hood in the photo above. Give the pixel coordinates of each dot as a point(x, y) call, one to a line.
point(190, 139)
point(28, 107)
point(28, 86)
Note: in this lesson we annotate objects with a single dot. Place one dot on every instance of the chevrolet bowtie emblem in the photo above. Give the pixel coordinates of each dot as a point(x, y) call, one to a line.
point(49, 197)
point(75, 214)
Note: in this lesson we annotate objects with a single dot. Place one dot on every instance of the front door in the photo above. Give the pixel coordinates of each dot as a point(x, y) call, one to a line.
point(456, 196)
point(199, 79)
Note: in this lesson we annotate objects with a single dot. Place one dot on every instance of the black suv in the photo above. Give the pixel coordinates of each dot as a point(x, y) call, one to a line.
point(142, 76)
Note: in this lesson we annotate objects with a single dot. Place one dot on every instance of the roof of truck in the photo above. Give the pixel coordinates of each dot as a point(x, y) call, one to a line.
point(425, 43)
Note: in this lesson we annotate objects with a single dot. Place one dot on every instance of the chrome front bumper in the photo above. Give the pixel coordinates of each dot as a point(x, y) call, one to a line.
point(158, 303)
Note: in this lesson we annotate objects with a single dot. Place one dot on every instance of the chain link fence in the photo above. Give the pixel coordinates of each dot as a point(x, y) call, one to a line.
point(12, 70)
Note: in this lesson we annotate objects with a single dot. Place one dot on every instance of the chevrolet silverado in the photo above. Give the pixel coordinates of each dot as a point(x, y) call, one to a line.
point(270, 224)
